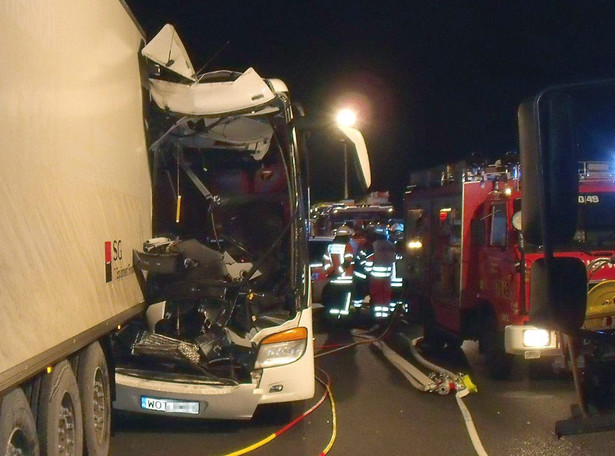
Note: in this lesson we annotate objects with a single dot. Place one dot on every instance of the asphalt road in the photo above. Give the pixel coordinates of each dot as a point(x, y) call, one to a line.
point(379, 412)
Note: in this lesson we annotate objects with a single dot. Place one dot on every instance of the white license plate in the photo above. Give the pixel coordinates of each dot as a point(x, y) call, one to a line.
point(169, 405)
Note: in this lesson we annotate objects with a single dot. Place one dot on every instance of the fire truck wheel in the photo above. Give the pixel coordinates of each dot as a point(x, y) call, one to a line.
point(454, 343)
point(499, 363)
point(17, 427)
point(432, 337)
point(540, 369)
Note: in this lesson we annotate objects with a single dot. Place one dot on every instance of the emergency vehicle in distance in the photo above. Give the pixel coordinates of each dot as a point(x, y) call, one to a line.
point(468, 267)
point(326, 219)
point(327, 216)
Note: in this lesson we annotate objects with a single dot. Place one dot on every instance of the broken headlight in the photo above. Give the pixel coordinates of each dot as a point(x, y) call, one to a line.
point(282, 348)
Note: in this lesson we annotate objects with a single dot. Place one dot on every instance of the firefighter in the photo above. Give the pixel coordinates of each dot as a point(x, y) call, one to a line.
point(381, 263)
point(397, 237)
point(338, 265)
point(361, 270)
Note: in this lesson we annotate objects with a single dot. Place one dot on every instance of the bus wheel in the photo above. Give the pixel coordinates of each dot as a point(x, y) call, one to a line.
point(17, 426)
point(95, 392)
point(59, 413)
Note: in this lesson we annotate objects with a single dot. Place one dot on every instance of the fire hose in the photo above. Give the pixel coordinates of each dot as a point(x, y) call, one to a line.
point(327, 393)
point(441, 380)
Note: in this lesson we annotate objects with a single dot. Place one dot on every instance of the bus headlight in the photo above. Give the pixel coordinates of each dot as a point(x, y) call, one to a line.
point(282, 348)
point(536, 338)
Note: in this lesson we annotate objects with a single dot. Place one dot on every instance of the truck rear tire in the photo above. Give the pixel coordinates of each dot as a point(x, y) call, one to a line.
point(499, 363)
point(60, 422)
point(95, 393)
point(17, 426)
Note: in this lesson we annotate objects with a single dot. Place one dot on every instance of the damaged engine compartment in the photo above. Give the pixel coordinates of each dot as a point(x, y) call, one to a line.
point(202, 320)
point(226, 205)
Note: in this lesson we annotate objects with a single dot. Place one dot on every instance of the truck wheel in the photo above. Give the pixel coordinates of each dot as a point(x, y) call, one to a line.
point(599, 380)
point(17, 426)
point(431, 336)
point(499, 363)
point(95, 392)
point(540, 369)
point(454, 343)
point(60, 423)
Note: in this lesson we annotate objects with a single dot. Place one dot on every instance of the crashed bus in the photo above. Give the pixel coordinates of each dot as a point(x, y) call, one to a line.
point(229, 319)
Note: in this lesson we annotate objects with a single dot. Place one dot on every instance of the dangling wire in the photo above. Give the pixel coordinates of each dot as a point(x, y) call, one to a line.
point(179, 196)
point(327, 384)
point(199, 76)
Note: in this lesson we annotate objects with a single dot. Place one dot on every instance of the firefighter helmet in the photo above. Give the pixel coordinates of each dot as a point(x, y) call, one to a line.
point(344, 230)
point(380, 230)
point(397, 231)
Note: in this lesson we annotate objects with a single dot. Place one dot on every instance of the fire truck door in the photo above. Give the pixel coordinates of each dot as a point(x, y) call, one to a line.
point(497, 263)
point(447, 265)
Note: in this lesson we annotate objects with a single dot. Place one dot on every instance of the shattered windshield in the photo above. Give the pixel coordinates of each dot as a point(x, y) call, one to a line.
point(230, 194)
point(596, 219)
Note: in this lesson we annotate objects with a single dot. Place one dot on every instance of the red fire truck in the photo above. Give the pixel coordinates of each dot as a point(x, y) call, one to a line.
point(468, 267)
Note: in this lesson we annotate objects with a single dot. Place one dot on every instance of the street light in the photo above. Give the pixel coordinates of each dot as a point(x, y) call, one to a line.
point(346, 118)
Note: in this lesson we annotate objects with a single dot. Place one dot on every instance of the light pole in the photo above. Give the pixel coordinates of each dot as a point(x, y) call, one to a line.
point(345, 169)
point(346, 118)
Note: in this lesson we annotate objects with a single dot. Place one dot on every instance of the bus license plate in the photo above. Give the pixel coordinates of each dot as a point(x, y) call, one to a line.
point(169, 405)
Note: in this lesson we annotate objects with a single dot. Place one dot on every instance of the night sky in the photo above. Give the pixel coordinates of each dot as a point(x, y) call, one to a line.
point(434, 81)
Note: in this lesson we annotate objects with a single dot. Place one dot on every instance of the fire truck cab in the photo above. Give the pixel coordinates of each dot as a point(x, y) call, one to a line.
point(468, 267)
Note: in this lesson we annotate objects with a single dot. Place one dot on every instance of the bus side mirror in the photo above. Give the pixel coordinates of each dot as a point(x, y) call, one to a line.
point(549, 168)
point(354, 138)
point(565, 309)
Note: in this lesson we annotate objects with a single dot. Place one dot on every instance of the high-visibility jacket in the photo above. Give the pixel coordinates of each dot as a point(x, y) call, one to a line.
point(363, 264)
point(339, 261)
point(381, 263)
point(397, 279)
point(361, 273)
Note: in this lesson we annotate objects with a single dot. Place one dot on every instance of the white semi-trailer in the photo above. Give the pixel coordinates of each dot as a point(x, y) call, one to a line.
point(75, 201)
